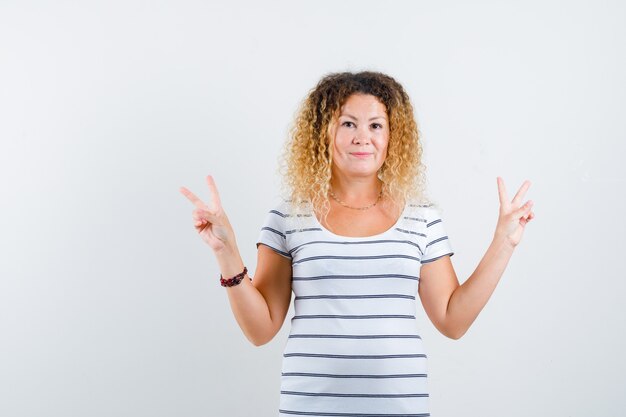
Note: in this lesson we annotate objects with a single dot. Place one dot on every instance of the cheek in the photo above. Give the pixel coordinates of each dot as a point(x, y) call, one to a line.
point(336, 150)
point(384, 149)
point(383, 156)
point(340, 144)
point(383, 144)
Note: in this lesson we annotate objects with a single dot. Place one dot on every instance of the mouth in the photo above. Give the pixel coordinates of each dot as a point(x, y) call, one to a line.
point(360, 154)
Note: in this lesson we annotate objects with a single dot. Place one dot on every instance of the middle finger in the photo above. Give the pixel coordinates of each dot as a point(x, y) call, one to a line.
point(520, 193)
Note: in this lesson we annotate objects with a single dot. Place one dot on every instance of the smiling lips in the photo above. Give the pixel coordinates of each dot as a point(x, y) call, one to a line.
point(360, 154)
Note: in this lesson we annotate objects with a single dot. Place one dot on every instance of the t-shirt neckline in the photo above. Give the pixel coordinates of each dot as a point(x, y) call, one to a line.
point(393, 227)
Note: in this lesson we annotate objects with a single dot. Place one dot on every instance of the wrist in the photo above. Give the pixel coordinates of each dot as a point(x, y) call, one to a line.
point(235, 280)
point(229, 261)
point(228, 249)
point(502, 242)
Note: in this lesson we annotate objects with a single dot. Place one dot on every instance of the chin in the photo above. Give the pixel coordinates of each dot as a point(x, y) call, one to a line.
point(365, 174)
point(358, 171)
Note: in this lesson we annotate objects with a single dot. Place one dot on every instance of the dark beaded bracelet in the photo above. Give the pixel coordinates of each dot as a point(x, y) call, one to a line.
point(231, 282)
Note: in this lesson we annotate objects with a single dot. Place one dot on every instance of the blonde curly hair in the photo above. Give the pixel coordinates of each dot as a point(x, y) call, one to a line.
point(306, 161)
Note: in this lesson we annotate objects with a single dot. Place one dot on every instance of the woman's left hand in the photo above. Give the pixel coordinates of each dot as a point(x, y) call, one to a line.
point(513, 215)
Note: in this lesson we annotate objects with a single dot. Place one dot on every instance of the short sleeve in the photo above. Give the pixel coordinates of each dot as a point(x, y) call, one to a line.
point(273, 232)
point(437, 241)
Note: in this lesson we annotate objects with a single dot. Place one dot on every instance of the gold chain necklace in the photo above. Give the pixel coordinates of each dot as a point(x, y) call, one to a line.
point(355, 208)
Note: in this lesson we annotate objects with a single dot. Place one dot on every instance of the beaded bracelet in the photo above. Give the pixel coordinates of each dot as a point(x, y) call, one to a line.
point(230, 282)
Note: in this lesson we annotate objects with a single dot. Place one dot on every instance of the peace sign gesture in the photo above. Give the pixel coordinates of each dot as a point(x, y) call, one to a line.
point(210, 220)
point(513, 216)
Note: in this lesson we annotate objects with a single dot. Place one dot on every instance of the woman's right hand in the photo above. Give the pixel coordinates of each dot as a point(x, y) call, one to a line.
point(210, 220)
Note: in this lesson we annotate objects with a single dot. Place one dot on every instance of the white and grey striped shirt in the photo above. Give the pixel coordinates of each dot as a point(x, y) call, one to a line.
point(353, 348)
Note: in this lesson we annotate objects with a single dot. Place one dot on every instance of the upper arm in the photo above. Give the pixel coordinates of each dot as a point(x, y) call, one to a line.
point(437, 282)
point(438, 279)
point(273, 280)
point(272, 277)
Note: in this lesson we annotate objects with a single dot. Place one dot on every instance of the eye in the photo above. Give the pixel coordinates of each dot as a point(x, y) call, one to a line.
point(377, 124)
point(344, 123)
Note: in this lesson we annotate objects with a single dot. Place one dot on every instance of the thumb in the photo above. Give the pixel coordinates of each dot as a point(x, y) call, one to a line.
point(205, 215)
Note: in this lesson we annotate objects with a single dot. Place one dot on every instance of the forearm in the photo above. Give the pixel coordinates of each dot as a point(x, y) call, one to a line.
point(467, 300)
point(246, 302)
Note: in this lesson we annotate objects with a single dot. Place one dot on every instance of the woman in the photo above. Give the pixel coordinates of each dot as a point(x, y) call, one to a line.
point(355, 241)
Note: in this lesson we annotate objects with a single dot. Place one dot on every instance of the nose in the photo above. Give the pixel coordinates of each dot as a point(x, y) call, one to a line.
point(361, 136)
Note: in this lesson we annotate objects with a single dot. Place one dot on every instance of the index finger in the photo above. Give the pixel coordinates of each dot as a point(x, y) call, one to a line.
point(215, 198)
point(502, 192)
point(193, 198)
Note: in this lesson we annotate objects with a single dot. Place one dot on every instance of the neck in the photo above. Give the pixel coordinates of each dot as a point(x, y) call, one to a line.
point(359, 191)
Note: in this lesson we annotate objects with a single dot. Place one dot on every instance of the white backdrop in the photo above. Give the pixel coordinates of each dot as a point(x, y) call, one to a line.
point(109, 301)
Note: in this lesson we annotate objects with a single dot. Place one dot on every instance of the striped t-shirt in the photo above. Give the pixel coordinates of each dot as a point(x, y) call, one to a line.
point(353, 348)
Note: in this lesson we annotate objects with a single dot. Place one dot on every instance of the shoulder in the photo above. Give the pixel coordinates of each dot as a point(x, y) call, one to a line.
point(423, 210)
point(281, 208)
point(276, 215)
point(287, 214)
point(429, 214)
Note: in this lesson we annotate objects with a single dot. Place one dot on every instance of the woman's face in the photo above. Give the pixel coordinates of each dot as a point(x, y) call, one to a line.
point(361, 136)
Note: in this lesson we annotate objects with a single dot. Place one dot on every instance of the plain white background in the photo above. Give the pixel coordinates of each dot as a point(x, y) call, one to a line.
point(109, 301)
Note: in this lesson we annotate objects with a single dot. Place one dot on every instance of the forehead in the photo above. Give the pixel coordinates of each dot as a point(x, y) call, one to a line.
point(366, 104)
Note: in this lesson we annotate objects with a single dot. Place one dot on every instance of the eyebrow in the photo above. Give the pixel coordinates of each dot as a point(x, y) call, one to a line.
point(354, 118)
